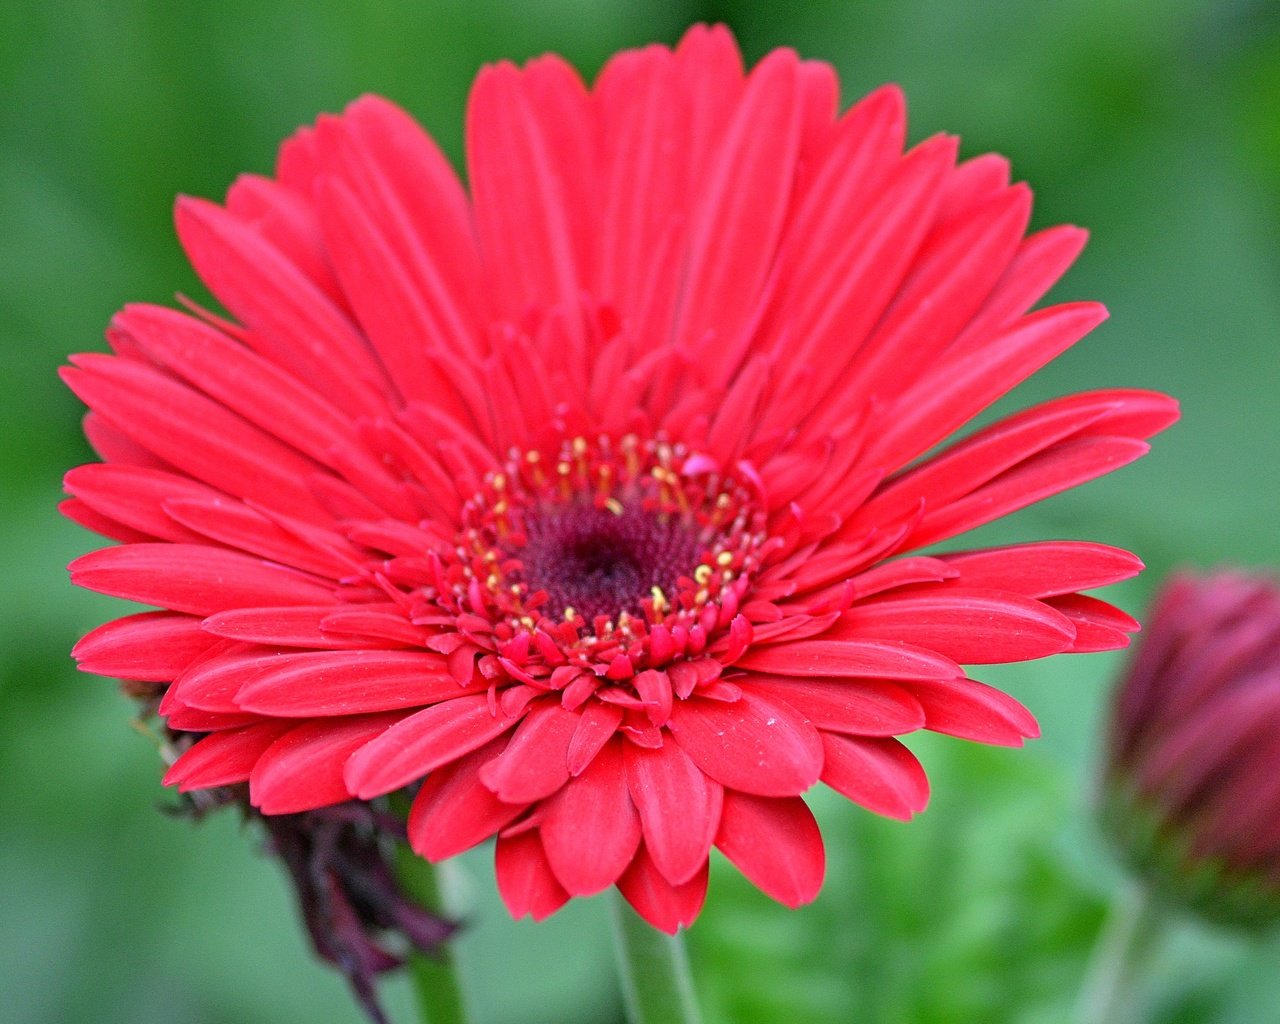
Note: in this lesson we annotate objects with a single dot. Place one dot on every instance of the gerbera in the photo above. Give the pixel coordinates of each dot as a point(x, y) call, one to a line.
point(582, 501)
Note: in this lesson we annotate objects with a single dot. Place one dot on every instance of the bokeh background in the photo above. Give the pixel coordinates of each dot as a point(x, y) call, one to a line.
point(1157, 124)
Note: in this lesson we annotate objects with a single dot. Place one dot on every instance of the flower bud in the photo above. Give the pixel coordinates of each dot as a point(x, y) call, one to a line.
point(1191, 795)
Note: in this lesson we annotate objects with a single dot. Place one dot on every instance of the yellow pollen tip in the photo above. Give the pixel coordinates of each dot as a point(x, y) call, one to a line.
point(702, 575)
point(614, 506)
point(569, 613)
point(724, 559)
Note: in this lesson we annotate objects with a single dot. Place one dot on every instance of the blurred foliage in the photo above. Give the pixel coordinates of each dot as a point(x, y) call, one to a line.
point(1157, 125)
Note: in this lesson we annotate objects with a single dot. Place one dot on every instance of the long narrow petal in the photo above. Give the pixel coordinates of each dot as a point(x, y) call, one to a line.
point(150, 647)
point(324, 683)
point(192, 578)
point(422, 742)
point(224, 758)
point(303, 769)
point(967, 625)
point(862, 707)
point(974, 711)
point(850, 658)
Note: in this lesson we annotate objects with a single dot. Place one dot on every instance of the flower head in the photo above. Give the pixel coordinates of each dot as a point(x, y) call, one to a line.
point(584, 499)
point(1192, 794)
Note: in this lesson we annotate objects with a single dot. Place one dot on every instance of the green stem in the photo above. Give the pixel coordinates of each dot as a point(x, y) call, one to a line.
point(435, 978)
point(653, 968)
point(1119, 957)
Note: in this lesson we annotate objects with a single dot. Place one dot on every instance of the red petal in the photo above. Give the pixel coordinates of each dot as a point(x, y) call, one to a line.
point(849, 658)
point(291, 321)
point(754, 744)
point(775, 843)
point(963, 624)
point(535, 762)
point(422, 742)
point(1044, 569)
point(211, 683)
point(864, 707)
point(591, 829)
point(679, 808)
point(349, 683)
point(454, 811)
point(298, 626)
point(1099, 626)
point(192, 578)
point(134, 495)
point(239, 378)
point(192, 432)
point(520, 202)
point(740, 209)
point(955, 391)
point(880, 774)
point(302, 770)
point(223, 758)
point(237, 525)
point(82, 515)
point(596, 727)
point(153, 647)
point(525, 879)
point(974, 711)
point(665, 906)
point(1052, 471)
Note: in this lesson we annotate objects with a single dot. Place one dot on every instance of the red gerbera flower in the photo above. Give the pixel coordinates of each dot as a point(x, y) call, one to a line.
point(577, 498)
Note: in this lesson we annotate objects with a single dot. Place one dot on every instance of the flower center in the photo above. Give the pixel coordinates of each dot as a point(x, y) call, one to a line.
point(625, 553)
point(603, 562)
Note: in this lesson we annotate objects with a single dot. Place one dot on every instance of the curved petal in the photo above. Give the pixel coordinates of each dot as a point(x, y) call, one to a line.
point(525, 879)
point(666, 906)
point(303, 769)
point(775, 843)
point(422, 742)
point(454, 810)
point(753, 744)
point(590, 830)
point(151, 647)
point(880, 774)
point(679, 809)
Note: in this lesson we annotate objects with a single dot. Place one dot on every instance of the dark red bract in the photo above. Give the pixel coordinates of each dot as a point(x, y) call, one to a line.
point(586, 496)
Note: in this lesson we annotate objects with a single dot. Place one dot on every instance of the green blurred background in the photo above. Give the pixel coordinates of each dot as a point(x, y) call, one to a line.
point(1156, 124)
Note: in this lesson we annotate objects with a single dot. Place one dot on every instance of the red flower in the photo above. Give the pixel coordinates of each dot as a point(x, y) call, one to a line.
point(1193, 793)
point(577, 498)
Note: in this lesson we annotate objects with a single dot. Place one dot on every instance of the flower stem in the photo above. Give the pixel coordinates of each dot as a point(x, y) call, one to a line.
point(435, 978)
point(653, 968)
point(1121, 952)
